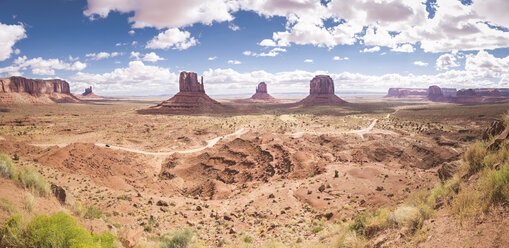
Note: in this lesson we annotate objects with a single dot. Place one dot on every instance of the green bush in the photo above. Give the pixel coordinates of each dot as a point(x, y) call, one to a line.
point(494, 186)
point(31, 179)
point(7, 169)
point(179, 239)
point(56, 231)
point(93, 212)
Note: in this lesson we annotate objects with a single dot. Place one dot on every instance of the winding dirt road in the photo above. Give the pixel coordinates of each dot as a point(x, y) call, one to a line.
point(210, 143)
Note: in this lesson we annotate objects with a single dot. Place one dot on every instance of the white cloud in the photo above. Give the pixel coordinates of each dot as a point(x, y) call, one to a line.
point(40, 66)
point(9, 35)
point(308, 61)
point(120, 44)
point(403, 48)
point(371, 50)
point(172, 38)
point(338, 58)
point(164, 13)
point(102, 55)
point(420, 63)
point(131, 32)
point(485, 65)
point(233, 27)
point(397, 24)
point(136, 79)
point(152, 57)
point(272, 53)
point(234, 62)
point(446, 61)
point(212, 58)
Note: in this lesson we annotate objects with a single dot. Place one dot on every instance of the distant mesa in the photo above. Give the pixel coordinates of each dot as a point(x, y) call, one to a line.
point(262, 95)
point(88, 94)
point(191, 98)
point(20, 90)
point(321, 92)
point(417, 92)
point(467, 93)
point(436, 94)
point(468, 96)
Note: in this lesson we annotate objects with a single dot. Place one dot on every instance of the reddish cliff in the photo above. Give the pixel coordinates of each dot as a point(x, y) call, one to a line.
point(435, 94)
point(19, 90)
point(190, 99)
point(321, 92)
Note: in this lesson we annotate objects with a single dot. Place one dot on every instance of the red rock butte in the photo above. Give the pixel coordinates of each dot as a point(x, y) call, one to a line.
point(20, 90)
point(321, 92)
point(88, 94)
point(262, 94)
point(191, 98)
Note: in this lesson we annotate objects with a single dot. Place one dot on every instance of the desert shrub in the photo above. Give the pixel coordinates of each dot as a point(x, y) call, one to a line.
point(58, 231)
point(474, 156)
point(7, 206)
point(28, 202)
point(178, 239)
point(350, 239)
point(443, 189)
point(494, 186)
point(316, 229)
point(466, 203)
point(409, 216)
point(247, 239)
point(273, 244)
point(7, 169)
point(31, 179)
point(93, 212)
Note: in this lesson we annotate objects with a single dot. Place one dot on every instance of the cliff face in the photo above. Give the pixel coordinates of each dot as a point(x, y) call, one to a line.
point(19, 90)
point(188, 82)
point(35, 87)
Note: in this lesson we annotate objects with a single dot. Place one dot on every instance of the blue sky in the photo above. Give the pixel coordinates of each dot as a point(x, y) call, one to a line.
point(455, 44)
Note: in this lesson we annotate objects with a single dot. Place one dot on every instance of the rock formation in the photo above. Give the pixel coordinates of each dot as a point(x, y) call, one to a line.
point(417, 92)
point(191, 98)
point(321, 92)
point(19, 90)
point(262, 95)
point(88, 94)
point(467, 93)
point(435, 94)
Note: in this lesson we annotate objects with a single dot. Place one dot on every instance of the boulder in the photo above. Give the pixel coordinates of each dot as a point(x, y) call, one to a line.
point(61, 195)
point(321, 92)
point(496, 128)
point(191, 98)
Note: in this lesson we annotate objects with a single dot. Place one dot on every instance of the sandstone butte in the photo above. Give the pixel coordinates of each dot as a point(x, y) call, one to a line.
point(321, 92)
point(19, 90)
point(88, 94)
point(191, 98)
point(261, 94)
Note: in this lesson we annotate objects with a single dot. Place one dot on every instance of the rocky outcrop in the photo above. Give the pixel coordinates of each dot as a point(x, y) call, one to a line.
point(88, 94)
point(436, 94)
point(191, 98)
point(467, 93)
point(19, 90)
point(321, 92)
point(496, 128)
point(262, 95)
point(417, 92)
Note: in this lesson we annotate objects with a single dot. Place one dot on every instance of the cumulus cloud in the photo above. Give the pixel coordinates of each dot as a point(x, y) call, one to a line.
point(102, 55)
point(337, 58)
point(212, 58)
point(172, 38)
point(40, 66)
point(486, 65)
point(234, 62)
point(9, 35)
point(399, 25)
point(420, 63)
point(152, 57)
point(446, 61)
point(136, 79)
point(308, 61)
point(371, 50)
point(272, 53)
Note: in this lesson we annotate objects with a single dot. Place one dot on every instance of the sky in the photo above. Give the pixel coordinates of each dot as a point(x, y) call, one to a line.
point(138, 47)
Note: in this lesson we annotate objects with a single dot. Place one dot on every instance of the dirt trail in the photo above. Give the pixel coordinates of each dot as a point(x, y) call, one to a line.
point(359, 132)
point(210, 143)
